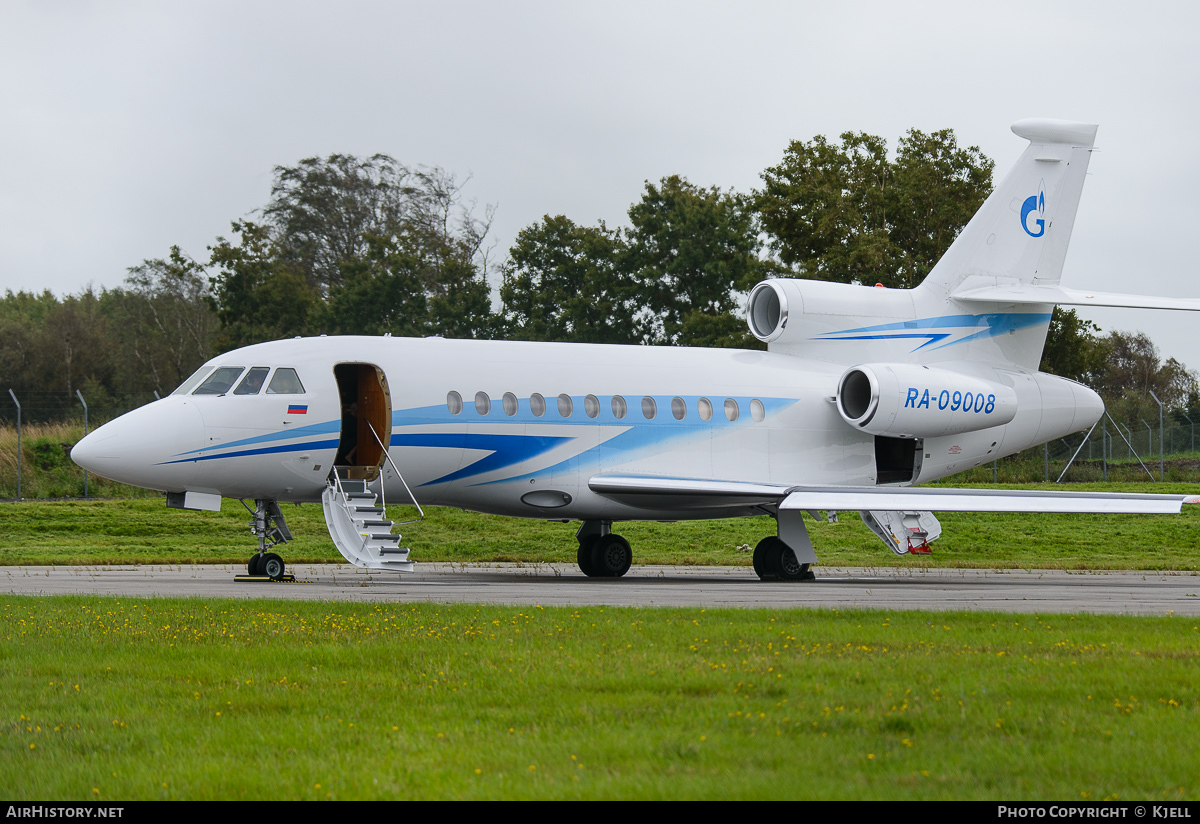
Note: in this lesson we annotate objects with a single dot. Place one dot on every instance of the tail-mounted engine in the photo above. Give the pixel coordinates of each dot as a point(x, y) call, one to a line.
point(901, 400)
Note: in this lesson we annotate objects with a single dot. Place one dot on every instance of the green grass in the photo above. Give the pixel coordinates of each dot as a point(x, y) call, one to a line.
point(143, 530)
point(124, 698)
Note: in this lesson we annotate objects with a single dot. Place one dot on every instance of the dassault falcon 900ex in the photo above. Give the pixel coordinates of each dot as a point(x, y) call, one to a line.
point(863, 394)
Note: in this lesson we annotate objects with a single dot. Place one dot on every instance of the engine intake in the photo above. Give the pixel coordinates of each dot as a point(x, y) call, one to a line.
point(901, 400)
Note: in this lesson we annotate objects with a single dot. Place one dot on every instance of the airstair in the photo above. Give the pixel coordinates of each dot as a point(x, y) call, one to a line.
point(357, 520)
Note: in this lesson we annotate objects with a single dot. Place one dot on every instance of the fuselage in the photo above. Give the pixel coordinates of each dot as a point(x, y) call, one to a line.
point(519, 428)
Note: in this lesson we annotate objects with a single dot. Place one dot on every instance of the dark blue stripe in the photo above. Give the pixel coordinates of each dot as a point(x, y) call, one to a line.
point(291, 447)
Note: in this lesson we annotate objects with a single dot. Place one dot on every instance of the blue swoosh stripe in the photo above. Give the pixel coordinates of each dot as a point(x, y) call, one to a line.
point(996, 324)
point(506, 450)
point(291, 447)
point(300, 432)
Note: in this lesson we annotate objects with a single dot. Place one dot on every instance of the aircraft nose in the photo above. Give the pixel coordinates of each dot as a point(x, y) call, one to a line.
point(137, 447)
point(89, 452)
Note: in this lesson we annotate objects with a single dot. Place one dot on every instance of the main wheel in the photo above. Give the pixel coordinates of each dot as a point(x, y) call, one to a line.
point(611, 556)
point(790, 569)
point(584, 556)
point(272, 566)
point(766, 558)
point(254, 567)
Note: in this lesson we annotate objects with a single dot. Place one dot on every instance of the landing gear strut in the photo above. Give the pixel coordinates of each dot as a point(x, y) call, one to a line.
point(602, 553)
point(271, 529)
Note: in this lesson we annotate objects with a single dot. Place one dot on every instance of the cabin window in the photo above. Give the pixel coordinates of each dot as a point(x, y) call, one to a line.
point(285, 381)
point(591, 406)
point(253, 382)
point(704, 407)
point(190, 384)
point(757, 411)
point(619, 407)
point(219, 382)
point(678, 408)
point(454, 403)
point(564, 405)
point(731, 409)
point(483, 404)
point(537, 405)
point(649, 409)
point(510, 404)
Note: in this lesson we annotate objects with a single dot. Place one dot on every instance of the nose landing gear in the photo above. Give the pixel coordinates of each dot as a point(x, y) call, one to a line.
point(271, 529)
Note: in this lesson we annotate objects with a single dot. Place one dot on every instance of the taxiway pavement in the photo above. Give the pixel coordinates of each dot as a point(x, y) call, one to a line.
point(1029, 591)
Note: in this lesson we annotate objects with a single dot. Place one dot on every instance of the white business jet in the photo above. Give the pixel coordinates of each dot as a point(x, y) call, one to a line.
point(864, 393)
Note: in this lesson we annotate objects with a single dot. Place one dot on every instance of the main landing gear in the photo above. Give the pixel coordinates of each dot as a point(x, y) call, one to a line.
point(271, 529)
point(775, 561)
point(602, 553)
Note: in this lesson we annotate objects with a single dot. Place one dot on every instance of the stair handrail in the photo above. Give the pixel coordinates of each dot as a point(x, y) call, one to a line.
point(383, 486)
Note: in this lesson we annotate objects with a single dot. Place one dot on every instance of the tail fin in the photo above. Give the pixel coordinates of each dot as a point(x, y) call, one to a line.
point(1018, 237)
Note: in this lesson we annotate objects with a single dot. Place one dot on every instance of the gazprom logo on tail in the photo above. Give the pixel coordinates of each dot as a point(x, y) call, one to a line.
point(1033, 211)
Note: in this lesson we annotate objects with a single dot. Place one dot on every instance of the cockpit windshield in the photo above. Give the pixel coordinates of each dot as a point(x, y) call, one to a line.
point(285, 382)
point(253, 381)
point(190, 384)
point(220, 381)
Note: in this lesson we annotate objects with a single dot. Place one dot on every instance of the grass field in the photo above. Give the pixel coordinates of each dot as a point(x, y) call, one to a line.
point(108, 698)
point(125, 698)
point(143, 530)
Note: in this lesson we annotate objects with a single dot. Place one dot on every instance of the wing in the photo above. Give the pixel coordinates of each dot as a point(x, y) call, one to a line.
point(693, 494)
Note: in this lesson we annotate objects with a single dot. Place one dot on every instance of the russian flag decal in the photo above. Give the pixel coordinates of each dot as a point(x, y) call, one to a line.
point(298, 409)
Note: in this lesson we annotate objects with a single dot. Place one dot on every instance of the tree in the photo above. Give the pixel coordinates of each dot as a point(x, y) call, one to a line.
point(377, 229)
point(256, 295)
point(1073, 349)
point(844, 212)
point(690, 252)
point(562, 282)
point(162, 323)
point(1133, 369)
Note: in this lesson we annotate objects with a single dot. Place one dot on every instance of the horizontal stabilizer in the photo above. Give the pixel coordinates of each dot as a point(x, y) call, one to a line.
point(688, 493)
point(1027, 294)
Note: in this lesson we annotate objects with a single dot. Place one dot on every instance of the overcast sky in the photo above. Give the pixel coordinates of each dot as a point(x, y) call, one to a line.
point(132, 126)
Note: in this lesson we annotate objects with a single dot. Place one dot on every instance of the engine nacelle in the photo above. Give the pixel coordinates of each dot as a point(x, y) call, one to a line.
point(903, 400)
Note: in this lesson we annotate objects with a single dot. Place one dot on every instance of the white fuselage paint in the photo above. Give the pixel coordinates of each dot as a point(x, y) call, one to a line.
point(250, 446)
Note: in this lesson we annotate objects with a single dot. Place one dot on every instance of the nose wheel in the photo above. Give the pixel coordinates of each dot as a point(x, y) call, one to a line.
point(266, 564)
point(270, 529)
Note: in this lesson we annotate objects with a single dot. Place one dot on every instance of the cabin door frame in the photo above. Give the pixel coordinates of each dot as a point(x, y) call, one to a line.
point(365, 401)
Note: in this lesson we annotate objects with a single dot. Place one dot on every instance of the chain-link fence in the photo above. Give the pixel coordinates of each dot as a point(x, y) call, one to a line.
point(37, 431)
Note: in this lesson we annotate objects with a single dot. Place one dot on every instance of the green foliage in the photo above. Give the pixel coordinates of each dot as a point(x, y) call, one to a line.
point(563, 282)
point(384, 248)
point(256, 295)
point(690, 252)
point(1072, 348)
point(674, 277)
point(49, 454)
point(161, 323)
point(844, 212)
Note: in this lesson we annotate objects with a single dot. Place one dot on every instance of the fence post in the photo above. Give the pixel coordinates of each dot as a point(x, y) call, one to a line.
point(79, 395)
point(18, 403)
point(1149, 440)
